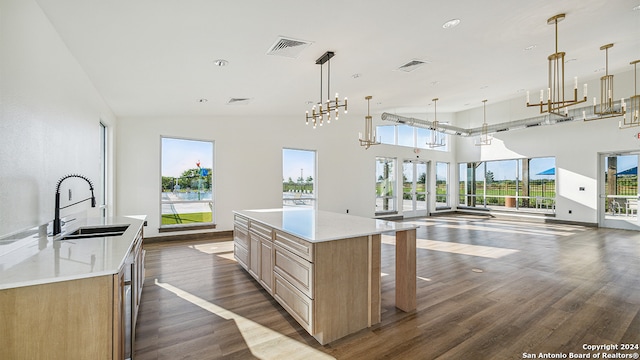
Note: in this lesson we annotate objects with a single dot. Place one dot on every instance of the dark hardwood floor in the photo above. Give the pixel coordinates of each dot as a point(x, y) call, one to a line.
point(487, 289)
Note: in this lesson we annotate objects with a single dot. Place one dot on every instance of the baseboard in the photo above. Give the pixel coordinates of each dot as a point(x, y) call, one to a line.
point(211, 235)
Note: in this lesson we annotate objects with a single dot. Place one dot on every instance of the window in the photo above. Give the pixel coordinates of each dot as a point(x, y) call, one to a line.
point(298, 178)
point(516, 184)
point(385, 185)
point(405, 135)
point(442, 185)
point(103, 171)
point(187, 187)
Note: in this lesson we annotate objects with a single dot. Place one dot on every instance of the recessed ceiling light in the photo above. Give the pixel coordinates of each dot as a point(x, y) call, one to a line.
point(530, 47)
point(203, 100)
point(636, 8)
point(355, 76)
point(451, 24)
point(221, 62)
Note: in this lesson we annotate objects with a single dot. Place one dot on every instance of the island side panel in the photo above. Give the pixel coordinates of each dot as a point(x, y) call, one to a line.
point(406, 270)
point(342, 291)
point(375, 288)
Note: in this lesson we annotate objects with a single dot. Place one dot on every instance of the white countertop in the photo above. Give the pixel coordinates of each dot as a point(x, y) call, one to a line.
point(33, 257)
point(317, 226)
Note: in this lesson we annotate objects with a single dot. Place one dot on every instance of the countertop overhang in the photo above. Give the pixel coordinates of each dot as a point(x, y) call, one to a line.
point(36, 258)
point(317, 225)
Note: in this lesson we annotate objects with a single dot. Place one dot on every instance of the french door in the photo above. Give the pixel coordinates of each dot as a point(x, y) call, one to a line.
point(618, 191)
point(415, 196)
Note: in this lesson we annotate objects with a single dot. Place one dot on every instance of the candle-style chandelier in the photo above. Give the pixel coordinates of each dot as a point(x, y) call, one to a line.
point(556, 101)
point(606, 109)
point(437, 137)
point(485, 137)
point(369, 132)
point(632, 112)
point(318, 113)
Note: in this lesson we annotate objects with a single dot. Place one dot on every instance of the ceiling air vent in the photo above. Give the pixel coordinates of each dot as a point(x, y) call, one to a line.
point(412, 65)
point(288, 47)
point(238, 101)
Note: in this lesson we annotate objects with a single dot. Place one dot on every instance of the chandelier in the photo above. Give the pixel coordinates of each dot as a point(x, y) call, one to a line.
point(318, 113)
point(606, 92)
point(555, 99)
point(485, 137)
point(369, 133)
point(437, 137)
point(634, 103)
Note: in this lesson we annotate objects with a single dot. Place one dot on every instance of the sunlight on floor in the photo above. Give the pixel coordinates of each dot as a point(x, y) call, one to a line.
point(464, 249)
point(213, 248)
point(513, 229)
point(261, 340)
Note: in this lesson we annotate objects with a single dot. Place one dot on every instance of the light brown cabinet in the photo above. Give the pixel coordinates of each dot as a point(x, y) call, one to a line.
point(331, 288)
point(76, 319)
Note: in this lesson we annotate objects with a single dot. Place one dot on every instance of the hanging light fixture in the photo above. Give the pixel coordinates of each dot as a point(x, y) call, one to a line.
point(555, 92)
point(485, 137)
point(633, 118)
point(606, 92)
point(369, 133)
point(330, 105)
point(437, 137)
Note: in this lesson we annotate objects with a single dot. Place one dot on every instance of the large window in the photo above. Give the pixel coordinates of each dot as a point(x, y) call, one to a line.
point(385, 185)
point(405, 135)
point(187, 186)
point(298, 178)
point(515, 184)
point(103, 171)
point(442, 185)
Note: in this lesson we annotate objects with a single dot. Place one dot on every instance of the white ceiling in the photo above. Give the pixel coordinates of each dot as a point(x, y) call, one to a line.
point(155, 57)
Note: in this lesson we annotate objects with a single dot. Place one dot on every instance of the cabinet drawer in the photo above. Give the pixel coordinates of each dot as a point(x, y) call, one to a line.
point(296, 245)
point(294, 269)
point(295, 302)
point(242, 255)
point(260, 229)
point(241, 236)
point(241, 221)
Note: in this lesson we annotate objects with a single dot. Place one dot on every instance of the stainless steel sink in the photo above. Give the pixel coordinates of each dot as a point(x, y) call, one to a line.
point(95, 231)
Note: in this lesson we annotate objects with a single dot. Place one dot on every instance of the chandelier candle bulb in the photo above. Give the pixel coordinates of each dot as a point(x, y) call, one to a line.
point(575, 83)
point(527, 97)
point(584, 115)
point(541, 96)
point(585, 91)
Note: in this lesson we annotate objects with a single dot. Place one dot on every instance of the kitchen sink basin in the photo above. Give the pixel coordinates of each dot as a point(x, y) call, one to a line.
point(95, 231)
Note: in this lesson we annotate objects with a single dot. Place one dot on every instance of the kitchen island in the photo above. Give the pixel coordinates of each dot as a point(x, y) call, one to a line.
point(74, 295)
point(324, 267)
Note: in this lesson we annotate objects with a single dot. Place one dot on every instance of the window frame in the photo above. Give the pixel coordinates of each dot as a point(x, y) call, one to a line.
point(211, 202)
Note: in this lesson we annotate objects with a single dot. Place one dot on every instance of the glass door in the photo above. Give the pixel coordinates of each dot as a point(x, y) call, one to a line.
point(415, 197)
point(618, 188)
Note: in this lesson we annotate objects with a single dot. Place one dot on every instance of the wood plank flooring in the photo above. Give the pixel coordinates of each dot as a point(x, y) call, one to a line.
point(487, 289)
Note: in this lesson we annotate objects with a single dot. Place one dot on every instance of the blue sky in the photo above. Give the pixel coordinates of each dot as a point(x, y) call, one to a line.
point(295, 160)
point(179, 155)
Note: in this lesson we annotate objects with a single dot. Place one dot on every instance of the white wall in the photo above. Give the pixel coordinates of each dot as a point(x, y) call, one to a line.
point(49, 119)
point(575, 145)
point(248, 162)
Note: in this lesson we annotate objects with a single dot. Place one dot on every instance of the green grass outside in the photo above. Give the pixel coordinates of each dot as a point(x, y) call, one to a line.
point(188, 218)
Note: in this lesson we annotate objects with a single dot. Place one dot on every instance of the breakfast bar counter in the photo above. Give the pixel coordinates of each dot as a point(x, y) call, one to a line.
point(324, 267)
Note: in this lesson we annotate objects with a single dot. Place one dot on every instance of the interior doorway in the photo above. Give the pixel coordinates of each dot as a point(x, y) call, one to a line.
point(415, 194)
